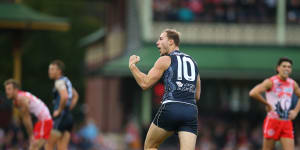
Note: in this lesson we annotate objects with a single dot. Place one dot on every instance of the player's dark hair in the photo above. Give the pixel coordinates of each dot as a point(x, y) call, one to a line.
point(174, 35)
point(13, 82)
point(60, 64)
point(283, 59)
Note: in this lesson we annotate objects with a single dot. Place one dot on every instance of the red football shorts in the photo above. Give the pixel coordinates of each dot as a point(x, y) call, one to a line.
point(42, 129)
point(276, 128)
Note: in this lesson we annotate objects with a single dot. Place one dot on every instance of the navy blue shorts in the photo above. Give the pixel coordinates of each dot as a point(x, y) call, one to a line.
point(63, 122)
point(177, 117)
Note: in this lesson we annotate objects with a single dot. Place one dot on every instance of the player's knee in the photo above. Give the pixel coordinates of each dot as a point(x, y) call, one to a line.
point(34, 146)
point(62, 145)
point(150, 146)
point(50, 142)
point(187, 147)
point(267, 147)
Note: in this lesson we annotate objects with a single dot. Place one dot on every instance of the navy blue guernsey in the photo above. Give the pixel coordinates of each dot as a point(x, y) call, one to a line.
point(57, 98)
point(180, 78)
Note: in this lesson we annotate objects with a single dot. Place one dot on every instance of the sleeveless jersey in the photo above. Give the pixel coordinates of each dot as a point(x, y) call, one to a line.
point(36, 106)
point(280, 97)
point(57, 98)
point(180, 78)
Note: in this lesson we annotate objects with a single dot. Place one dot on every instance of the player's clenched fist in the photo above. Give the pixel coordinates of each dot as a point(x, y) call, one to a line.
point(133, 60)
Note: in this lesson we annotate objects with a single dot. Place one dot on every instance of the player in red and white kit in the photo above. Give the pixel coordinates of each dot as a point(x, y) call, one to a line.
point(28, 103)
point(280, 107)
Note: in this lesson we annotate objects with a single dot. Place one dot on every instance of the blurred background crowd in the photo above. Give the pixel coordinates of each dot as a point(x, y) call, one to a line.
point(216, 132)
point(228, 11)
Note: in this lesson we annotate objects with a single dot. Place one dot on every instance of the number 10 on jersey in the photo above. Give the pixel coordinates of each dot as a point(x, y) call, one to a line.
point(183, 63)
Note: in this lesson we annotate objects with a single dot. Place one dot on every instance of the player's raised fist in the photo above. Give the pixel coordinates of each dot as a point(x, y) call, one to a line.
point(133, 60)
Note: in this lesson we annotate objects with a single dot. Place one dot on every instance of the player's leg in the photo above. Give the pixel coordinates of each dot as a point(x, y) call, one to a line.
point(41, 132)
point(56, 132)
point(187, 130)
point(287, 137)
point(187, 140)
point(271, 131)
point(36, 144)
point(155, 137)
point(66, 128)
point(287, 143)
point(53, 139)
point(268, 144)
point(63, 143)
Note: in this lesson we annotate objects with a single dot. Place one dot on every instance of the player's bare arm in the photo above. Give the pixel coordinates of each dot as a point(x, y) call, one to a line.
point(61, 87)
point(75, 98)
point(25, 114)
point(198, 87)
point(145, 81)
point(293, 113)
point(257, 91)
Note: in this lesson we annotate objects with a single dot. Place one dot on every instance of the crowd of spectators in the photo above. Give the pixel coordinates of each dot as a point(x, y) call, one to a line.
point(84, 136)
point(231, 131)
point(221, 134)
point(228, 11)
point(241, 134)
point(13, 138)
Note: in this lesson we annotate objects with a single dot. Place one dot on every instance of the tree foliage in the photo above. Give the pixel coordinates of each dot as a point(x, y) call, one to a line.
point(39, 48)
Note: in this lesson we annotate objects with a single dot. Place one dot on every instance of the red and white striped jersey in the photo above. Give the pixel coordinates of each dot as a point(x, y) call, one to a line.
point(280, 97)
point(36, 106)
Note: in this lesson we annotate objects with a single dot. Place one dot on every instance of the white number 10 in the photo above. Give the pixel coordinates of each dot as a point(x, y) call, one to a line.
point(183, 63)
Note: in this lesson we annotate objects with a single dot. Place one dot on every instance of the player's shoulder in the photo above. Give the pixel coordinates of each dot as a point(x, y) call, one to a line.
point(291, 80)
point(273, 78)
point(164, 58)
point(22, 94)
point(268, 82)
point(163, 61)
point(21, 100)
point(59, 82)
